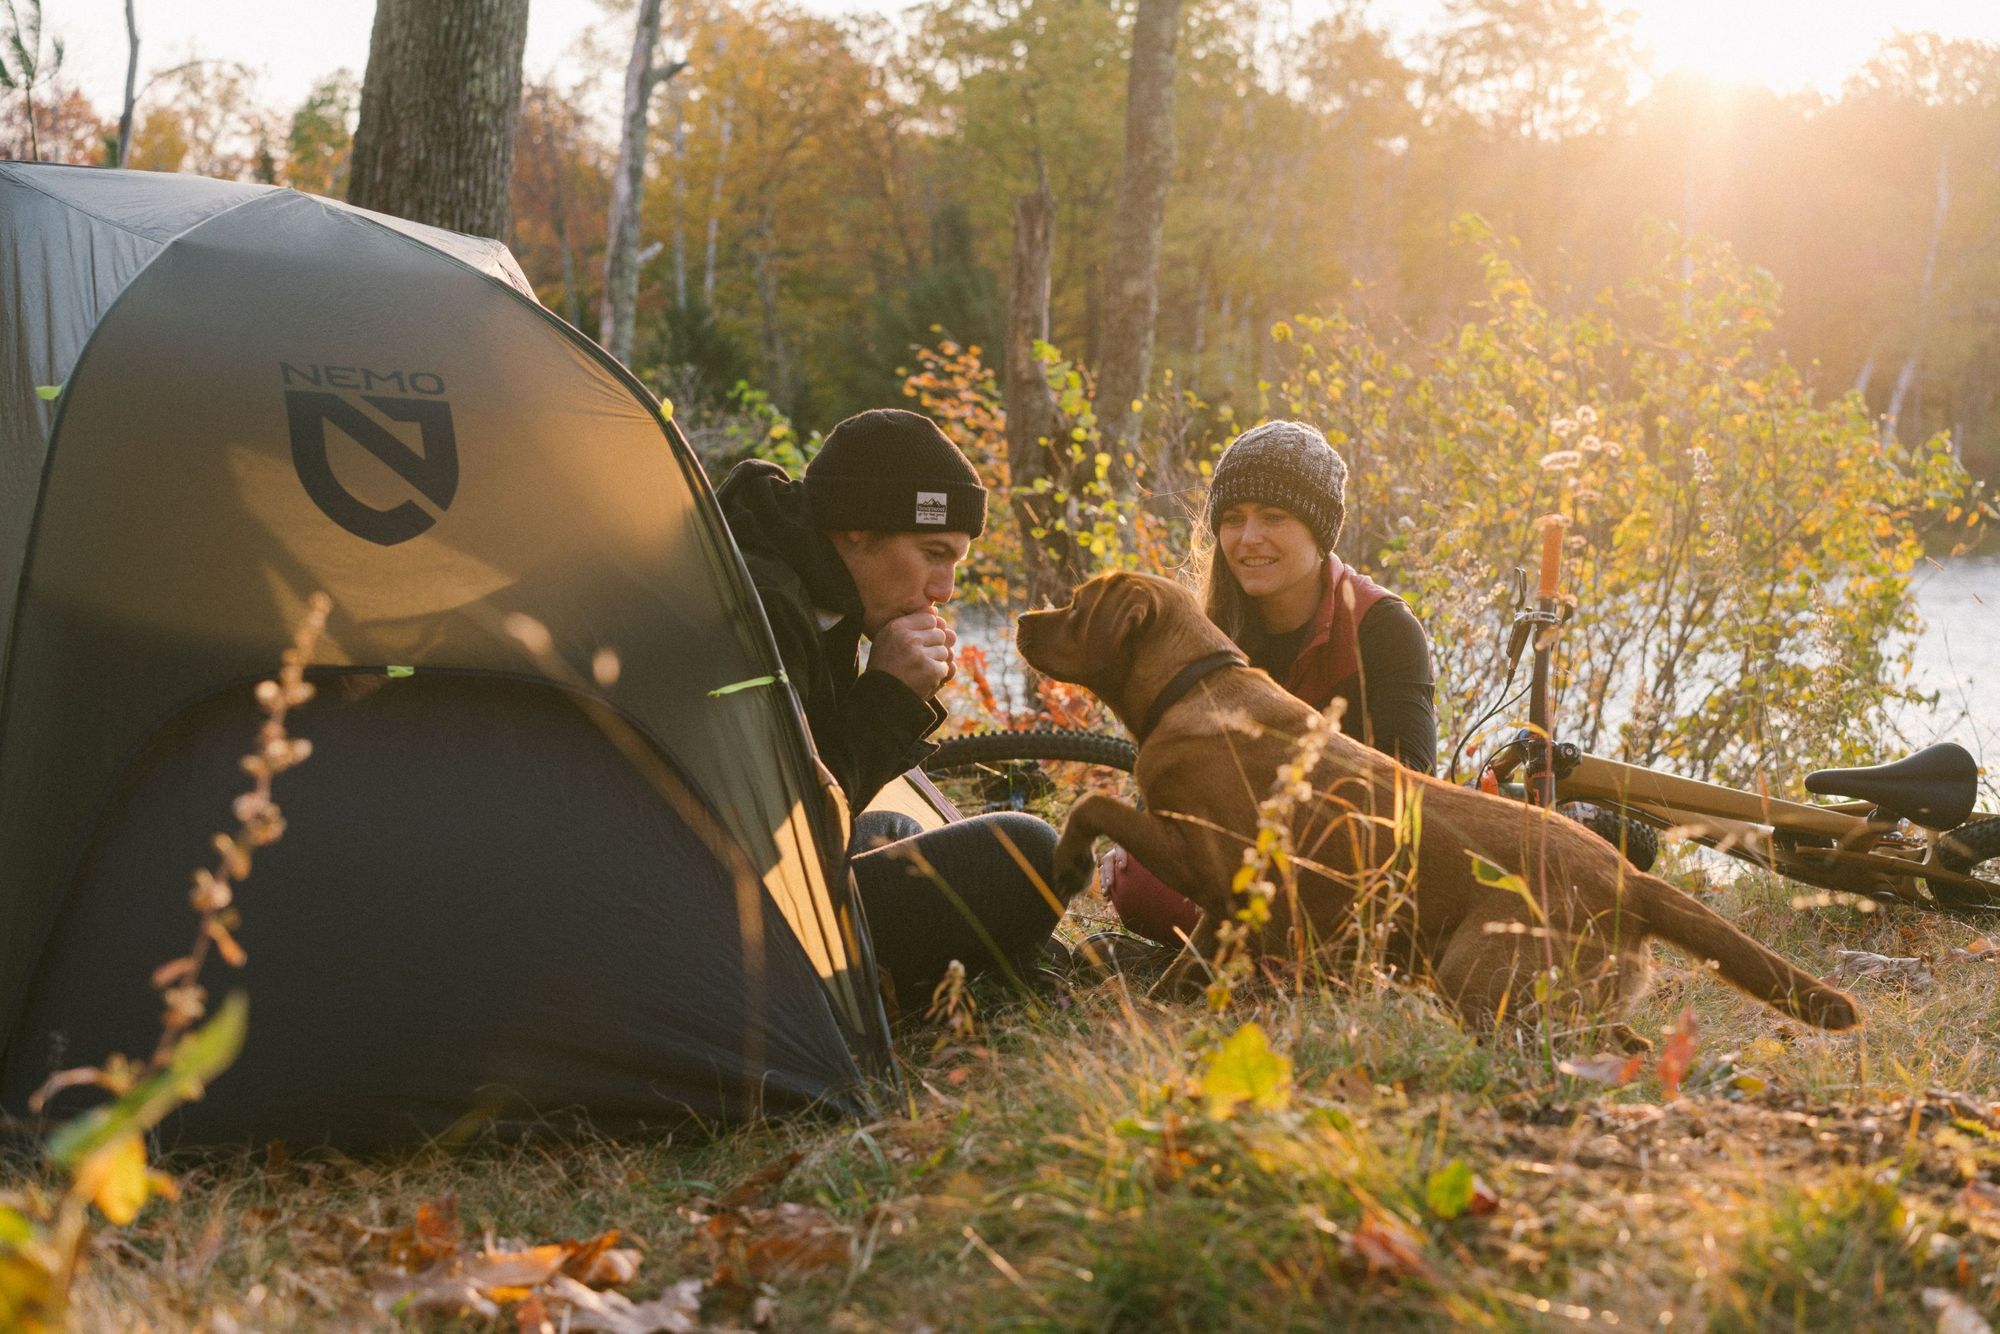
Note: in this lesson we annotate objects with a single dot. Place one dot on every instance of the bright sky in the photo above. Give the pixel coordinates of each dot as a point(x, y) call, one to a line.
point(1785, 43)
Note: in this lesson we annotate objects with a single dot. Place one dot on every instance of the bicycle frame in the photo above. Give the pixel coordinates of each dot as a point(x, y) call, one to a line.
point(1840, 846)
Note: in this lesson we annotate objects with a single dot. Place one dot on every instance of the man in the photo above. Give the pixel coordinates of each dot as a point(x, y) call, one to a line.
point(868, 545)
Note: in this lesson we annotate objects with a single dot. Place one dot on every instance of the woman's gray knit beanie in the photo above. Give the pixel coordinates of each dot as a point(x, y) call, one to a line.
point(1288, 464)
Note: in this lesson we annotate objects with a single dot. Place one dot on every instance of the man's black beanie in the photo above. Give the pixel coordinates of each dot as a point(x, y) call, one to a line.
point(891, 471)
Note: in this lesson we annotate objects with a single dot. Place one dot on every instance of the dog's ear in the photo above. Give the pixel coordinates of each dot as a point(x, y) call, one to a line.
point(1121, 612)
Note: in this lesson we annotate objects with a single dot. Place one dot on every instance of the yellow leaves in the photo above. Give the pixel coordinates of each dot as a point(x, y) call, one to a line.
point(116, 1179)
point(1763, 1051)
point(30, 1301)
point(1244, 1070)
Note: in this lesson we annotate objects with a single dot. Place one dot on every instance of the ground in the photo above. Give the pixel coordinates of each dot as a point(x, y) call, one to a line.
point(1092, 1160)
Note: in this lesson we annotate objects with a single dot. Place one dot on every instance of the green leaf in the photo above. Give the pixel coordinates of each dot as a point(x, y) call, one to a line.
point(48, 393)
point(1132, 1127)
point(1449, 1190)
point(1499, 877)
point(397, 673)
point(197, 1060)
point(1243, 1070)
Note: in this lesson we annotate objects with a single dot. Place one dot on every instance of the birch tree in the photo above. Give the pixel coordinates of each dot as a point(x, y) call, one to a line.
point(644, 74)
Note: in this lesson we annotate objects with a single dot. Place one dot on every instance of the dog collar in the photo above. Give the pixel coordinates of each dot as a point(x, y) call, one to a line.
point(1184, 680)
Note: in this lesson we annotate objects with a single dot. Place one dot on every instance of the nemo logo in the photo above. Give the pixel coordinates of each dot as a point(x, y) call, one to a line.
point(431, 469)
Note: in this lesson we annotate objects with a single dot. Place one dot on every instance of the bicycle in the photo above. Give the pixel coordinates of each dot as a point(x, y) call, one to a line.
point(1904, 832)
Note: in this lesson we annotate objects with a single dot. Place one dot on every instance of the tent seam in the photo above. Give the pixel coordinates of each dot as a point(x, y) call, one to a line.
point(114, 224)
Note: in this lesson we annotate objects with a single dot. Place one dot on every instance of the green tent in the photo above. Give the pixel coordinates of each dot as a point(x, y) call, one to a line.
point(577, 868)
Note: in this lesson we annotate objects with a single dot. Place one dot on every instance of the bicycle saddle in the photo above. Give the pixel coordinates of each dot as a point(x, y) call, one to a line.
point(1934, 788)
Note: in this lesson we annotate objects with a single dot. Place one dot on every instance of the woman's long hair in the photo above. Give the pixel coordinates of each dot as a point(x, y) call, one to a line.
point(1221, 596)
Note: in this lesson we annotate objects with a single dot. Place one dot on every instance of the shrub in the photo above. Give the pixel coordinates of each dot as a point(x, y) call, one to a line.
point(1740, 553)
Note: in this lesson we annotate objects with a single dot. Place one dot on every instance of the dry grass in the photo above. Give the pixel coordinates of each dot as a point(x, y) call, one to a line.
point(1058, 1172)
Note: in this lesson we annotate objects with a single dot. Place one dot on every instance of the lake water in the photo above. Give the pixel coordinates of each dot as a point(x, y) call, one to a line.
point(1958, 655)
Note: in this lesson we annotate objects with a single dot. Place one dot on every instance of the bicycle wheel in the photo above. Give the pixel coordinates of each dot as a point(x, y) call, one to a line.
point(1971, 849)
point(1639, 842)
point(1039, 770)
point(1041, 743)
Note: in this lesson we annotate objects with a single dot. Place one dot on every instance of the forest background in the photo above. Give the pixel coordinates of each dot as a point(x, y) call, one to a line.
point(824, 194)
point(1741, 341)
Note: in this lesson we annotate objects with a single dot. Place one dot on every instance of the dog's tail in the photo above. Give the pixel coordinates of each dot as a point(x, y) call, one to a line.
point(1681, 920)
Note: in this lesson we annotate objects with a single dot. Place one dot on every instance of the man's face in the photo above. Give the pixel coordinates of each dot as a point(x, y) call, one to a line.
point(899, 573)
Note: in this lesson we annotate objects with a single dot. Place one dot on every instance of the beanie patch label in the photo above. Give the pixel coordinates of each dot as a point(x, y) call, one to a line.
point(931, 509)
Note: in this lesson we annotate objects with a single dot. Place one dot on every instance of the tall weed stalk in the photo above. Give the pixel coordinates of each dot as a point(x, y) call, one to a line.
point(98, 1157)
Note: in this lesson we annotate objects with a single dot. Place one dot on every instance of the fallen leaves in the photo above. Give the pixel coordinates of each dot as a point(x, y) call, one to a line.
point(1911, 971)
point(1454, 1189)
point(1678, 1055)
point(785, 1241)
point(675, 1311)
point(1605, 1068)
point(1386, 1245)
point(1954, 1314)
point(1617, 1069)
point(431, 1271)
point(742, 1244)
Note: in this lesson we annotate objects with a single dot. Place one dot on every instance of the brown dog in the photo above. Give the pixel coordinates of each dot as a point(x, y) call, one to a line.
point(1214, 733)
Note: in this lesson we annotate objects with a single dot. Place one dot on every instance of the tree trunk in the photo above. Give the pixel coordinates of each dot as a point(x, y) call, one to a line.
point(1052, 554)
point(643, 74)
point(131, 84)
point(777, 360)
point(1131, 276)
point(680, 202)
point(1908, 375)
point(439, 108)
point(715, 211)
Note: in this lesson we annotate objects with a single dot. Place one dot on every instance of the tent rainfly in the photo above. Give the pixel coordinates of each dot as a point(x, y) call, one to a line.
point(528, 876)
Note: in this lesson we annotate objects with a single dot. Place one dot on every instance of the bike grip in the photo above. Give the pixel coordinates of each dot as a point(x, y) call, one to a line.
point(1552, 537)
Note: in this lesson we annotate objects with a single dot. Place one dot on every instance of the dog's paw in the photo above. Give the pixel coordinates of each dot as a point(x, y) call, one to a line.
point(1073, 867)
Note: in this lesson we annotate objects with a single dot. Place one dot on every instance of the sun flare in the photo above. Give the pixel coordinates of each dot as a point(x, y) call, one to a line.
point(1787, 45)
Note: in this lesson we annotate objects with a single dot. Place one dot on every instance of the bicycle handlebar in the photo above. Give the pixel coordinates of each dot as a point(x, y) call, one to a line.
point(1552, 537)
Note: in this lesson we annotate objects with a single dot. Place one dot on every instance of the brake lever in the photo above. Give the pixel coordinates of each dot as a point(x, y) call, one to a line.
point(1517, 637)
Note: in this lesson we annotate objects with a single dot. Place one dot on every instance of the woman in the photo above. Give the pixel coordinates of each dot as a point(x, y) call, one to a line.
point(1322, 630)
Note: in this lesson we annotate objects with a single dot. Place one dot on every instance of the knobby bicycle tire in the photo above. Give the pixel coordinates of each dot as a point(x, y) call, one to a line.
point(1041, 743)
point(1966, 850)
point(1638, 842)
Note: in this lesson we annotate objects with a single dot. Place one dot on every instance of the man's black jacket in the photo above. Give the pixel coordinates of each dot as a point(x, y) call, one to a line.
point(867, 726)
